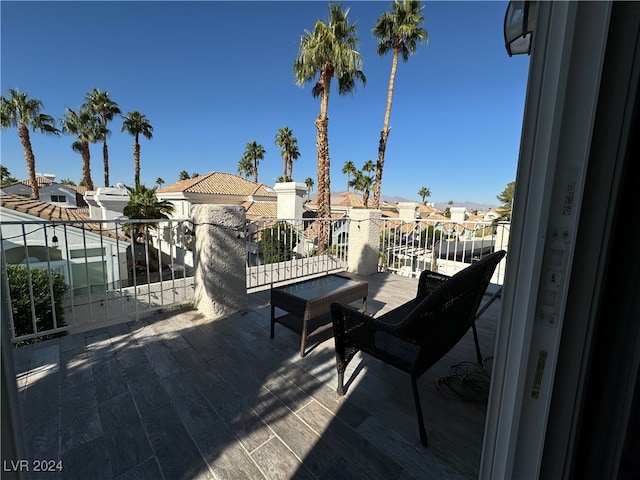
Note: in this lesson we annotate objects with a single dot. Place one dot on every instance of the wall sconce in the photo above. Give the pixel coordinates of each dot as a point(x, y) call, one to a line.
point(519, 21)
point(54, 239)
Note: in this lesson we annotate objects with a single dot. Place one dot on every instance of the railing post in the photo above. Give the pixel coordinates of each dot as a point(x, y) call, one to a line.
point(502, 243)
point(220, 259)
point(12, 440)
point(364, 241)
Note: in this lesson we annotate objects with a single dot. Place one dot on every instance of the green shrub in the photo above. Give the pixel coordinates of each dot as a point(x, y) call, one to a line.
point(21, 303)
point(277, 243)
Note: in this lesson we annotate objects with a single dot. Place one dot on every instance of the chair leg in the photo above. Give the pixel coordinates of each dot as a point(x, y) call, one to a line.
point(416, 398)
point(477, 342)
point(340, 388)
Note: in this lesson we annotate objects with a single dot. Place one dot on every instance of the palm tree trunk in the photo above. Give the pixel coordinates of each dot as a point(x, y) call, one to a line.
point(136, 162)
point(86, 165)
point(23, 133)
point(105, 156)
point(322, 144)
point(384, 134)
point(255, 169)
point(285, 161)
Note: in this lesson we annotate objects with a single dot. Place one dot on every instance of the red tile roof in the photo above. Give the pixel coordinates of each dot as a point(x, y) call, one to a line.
point(218, 183)
point(48, 211)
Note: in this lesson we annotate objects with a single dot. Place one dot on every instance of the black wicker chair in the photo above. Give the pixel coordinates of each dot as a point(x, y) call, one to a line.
point(415, 335)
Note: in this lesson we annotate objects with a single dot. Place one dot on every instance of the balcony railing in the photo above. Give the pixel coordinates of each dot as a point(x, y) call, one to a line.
point(285, 249)
point(71, 276)
point(409, 247)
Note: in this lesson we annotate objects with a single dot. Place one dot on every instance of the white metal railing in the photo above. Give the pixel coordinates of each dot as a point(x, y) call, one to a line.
point(280, 250)
point(70, 275)
point(409, 247)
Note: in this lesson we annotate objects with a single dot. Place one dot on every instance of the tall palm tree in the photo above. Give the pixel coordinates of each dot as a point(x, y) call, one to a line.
point(349, 169)
point(88, 129)
point(254, 152)
point(330, 50)
point(398, 31)
point(5, 176)
point(309, 183)
point(424, 193)
point(100, 104)
point(18, 110)
point(159, 181)
point(245, 167)
point(137, 124)
point(369, 166)
point(362, 183)
point(289, 145)
point(184, 175)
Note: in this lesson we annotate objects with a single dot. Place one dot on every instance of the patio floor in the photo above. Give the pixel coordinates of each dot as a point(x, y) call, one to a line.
point(177, 396)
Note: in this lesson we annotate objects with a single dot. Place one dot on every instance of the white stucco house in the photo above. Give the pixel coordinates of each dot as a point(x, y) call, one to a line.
point(41, 235)
point(62, 195)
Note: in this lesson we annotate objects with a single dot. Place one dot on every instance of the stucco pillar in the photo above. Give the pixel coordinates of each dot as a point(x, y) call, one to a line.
point(458, 214)
point(407, 211)
point(220, 259)
point(290, 199)
point(364, 241)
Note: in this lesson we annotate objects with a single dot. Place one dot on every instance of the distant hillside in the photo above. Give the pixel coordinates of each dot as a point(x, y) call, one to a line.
point(470, 206)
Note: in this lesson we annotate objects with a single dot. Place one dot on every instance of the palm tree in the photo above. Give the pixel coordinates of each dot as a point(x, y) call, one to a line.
point(144, 204)
point(424, 193)
point(17, 110)
point(309, 183)
point(289, 145)
point(349, 169)
point(159, 181)
point(67, 181)
point(398, 31)
point(184, 175)
point(136, 123)
point(245, 167)
point(362, 183)
point(369, 166)
point(330, 50)
point(88, 129)
point(100, 104)
point(253, 152)
point(5, 176)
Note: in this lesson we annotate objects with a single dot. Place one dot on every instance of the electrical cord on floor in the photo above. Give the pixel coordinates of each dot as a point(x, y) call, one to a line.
point(468, 381)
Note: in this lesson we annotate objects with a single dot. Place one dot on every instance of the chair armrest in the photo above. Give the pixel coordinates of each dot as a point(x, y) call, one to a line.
point(346, 318)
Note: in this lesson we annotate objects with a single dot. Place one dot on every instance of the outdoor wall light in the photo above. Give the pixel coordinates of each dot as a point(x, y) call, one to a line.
point(54, 239)
point(518, 26)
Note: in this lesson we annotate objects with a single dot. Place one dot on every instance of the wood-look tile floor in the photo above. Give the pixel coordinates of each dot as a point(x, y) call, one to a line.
point(177, 396)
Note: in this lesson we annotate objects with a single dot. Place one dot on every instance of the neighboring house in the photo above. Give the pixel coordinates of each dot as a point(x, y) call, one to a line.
point(69, 196)
point(218, 188)
point(90, 258)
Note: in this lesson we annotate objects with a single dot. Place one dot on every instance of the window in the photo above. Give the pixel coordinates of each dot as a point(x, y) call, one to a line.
point(59, 198)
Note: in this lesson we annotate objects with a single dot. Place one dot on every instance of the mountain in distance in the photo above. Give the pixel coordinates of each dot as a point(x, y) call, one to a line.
point(469, 205)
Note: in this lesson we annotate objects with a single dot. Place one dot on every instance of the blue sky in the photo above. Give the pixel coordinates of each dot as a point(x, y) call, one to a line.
point(212, 76)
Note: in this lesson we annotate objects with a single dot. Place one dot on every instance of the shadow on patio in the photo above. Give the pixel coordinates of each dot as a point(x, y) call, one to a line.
point(180, 397)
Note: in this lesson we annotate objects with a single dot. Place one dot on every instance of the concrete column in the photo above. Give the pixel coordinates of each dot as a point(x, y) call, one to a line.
point(458, 214)
point(364, 240)
point(220, 259)
point(407, 211)
point(290, 199)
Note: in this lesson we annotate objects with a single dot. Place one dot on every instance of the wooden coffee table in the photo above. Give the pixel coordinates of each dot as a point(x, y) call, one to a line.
point(308, 304)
